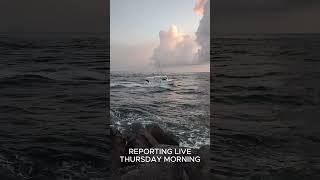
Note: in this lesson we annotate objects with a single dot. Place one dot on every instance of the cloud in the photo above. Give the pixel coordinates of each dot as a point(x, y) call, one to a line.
point(199, 7)
point(175, 48)
point(203, 35)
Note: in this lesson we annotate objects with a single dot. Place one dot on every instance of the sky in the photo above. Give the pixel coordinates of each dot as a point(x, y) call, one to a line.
point(54, 16)
point(266, 16)
point(138, 21)
point(146, 33)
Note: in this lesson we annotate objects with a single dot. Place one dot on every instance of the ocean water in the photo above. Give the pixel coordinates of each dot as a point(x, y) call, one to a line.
point(264, 111)
point(265, 106)
point(53, 110)
point(182, 109)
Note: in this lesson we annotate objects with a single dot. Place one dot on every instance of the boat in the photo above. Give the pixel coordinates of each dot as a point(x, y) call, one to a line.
point(161, 80)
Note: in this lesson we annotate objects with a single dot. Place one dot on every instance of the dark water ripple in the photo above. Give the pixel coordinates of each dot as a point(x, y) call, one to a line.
point(265, 107)
point(53, 122)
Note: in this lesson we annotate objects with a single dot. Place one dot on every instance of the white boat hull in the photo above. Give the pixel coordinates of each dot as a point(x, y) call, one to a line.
point(159, 81)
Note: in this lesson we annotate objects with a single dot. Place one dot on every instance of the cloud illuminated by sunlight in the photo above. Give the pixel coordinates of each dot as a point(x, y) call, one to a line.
point(199, 7)
point(175, 48)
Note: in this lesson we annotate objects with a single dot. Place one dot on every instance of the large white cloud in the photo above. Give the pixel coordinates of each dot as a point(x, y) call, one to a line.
point(177, 48)
point(203, 35)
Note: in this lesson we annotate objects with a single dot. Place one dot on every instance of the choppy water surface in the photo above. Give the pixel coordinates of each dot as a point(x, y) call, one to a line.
point(265, 107)
point(53, 122)
point(182, 109)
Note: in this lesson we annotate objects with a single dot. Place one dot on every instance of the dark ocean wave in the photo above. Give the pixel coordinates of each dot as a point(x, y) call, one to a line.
point(22, 45)
point(246, 88)
point(25, 78)
point(248, 76)
point(265, 101)
point(53, 107)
